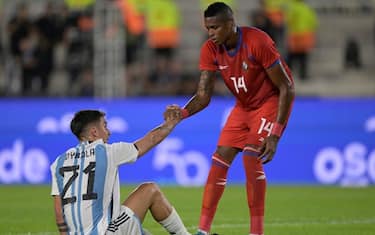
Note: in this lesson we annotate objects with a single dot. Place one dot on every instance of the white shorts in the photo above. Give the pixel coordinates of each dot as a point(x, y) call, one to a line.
point(126, 223)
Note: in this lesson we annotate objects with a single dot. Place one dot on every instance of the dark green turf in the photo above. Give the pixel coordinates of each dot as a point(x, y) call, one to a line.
point(300, 210)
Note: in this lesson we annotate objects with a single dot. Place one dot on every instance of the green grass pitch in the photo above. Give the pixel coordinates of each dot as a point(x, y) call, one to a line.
point(290, 210)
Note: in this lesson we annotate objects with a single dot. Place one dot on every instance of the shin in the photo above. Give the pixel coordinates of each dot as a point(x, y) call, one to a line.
point(255, 188)
point(213, 191)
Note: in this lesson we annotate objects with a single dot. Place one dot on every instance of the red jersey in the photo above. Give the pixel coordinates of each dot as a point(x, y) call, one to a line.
point(244, 70)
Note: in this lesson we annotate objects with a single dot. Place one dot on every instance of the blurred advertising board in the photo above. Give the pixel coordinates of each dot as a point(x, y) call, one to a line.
point(328, 140)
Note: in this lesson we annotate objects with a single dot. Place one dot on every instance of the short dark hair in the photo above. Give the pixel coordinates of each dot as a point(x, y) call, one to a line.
point(82, 118)
point(218, 8)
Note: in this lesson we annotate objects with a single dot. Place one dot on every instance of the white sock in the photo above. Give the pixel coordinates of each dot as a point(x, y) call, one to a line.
point(203, 232)
point(174, 224)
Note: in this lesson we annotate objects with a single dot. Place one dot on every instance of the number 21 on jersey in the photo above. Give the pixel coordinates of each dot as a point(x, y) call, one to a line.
point(74, 170)
point(239, 83)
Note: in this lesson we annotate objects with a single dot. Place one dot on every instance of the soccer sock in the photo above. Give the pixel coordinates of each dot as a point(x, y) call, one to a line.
point(173, 224)
point(213, 190)
point(255, 188)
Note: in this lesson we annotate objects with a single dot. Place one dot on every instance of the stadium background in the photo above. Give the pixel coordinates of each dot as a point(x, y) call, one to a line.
point(330, 133)
point(330, 139)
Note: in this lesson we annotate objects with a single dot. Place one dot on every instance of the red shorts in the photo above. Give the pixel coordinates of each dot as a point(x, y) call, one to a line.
point(245, 127)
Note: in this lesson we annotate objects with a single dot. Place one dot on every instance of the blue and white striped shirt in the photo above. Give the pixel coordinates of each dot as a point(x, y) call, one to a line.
point(86, 178)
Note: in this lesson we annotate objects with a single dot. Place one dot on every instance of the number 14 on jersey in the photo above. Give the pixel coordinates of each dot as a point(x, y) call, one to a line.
point(239, 83)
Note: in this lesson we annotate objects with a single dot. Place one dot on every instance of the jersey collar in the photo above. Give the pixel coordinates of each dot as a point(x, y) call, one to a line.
point(239, 42)
point(86, 142)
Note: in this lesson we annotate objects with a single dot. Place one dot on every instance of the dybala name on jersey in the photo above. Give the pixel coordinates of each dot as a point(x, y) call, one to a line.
point(82, 154)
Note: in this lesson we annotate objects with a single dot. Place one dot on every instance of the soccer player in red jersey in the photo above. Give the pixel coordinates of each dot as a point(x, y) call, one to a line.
point(262, 84)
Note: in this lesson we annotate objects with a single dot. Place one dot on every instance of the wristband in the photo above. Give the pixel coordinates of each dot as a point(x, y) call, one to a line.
point(61, 224)
point(63, 227)
point(184, 113)
point(277, 129)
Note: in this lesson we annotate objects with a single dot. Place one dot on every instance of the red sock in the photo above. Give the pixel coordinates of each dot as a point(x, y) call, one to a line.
point(256, 190)
point(213, 190)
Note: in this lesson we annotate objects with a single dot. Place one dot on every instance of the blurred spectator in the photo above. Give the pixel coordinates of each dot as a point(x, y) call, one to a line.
point(1, 34)
point(189, 82)
point(134, 22)
point(79, 45)
point(166, 78)
point(163, 37)
point(30, 55)
point(86, 88)
point(47, 27)
point(260, 19)
point(133, 17)
point(301, 29)
point(31, 51)
point(18, 29)
point(62, 22)
point(2, 61)
point(352, 54)
point(273, 9)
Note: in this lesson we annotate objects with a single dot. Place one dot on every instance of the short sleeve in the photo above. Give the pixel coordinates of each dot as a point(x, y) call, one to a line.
point(54, 189)
point(122, 152)
point(207, 59)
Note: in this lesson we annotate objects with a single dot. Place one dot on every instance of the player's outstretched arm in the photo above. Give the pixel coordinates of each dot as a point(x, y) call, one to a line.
point(159, 133)
point(203, 95)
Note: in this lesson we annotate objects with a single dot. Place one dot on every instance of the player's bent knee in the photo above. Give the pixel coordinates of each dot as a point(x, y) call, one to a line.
point(150, 187)
point(226, 154)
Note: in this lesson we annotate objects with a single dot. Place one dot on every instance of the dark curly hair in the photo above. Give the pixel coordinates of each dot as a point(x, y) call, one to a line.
point(82, 118)
point(219, 8)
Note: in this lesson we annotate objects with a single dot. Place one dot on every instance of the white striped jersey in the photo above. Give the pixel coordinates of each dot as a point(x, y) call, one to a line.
point(86, 178)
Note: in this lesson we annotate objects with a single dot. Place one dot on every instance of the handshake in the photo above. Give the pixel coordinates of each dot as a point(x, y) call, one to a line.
point(173, 114)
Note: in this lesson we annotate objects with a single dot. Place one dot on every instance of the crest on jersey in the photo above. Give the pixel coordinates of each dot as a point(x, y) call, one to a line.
point(244, 65)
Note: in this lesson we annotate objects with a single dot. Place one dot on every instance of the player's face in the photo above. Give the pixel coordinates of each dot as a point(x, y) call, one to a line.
point(103, 132)
point(219, 29)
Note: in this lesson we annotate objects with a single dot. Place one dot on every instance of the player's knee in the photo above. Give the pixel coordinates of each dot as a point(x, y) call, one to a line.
point(151, 188)
point(226, 154)
point(221, 159)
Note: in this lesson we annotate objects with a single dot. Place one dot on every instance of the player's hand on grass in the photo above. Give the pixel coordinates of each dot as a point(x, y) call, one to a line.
point(268, 148)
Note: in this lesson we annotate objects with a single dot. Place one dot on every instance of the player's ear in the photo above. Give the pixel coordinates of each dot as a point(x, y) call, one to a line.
point(231, 25)
point(93, 131)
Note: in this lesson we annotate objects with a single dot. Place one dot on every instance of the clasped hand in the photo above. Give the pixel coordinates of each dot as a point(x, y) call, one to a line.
point(172, 113)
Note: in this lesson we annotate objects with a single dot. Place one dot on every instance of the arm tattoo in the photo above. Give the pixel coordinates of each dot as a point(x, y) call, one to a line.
point(159, 133)
point(161, 128)
point(204, 92)
point(206, 83)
